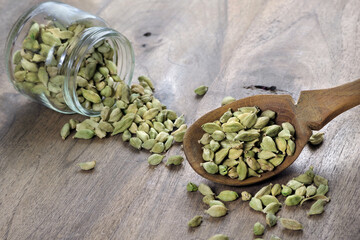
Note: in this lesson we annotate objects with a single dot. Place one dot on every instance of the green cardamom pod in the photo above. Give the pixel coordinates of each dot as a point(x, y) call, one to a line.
point(155, 159)
point(256, 204)
point(316, 138)
point(265, 165)
point(147, 81)
point(317, 207)
point(205, 139)
point(307, 177)
point(252, 163)
point(143, 136)
point(271, 219)
point(91, 96)
point(293, 184)
point(281, 144)
point(191, 187)
point(249, 120)
point(290, 148)
point(315, 197)
point(245, 196)
point(267, 199)
point(322, 189)
point(234, 153)
point(217, 211)
point(227, 196)
point(84, 134)
point(220, 155)
point(288, 126)
point(210, 127)
point(266, 190)
point(195, 221)
point(218, 135)
point(318, 180)
point(135, 142)
point(148, 144)
point(258, 229)
point(208, 155)
point(223, 170)
point(179, 121)
point(105, 126)
point(227, 100)
point(174, 160)
point(293, 200)
point(216, 202)
point(268, 113)
point(276, 161)
point(126, 136)
point(99, 133)
point(276, 189)
point(310, 191)
point(242, 170)
point(273, 237)
point(268, 144)
point(206, 199)
point(285, 134)
point(87, 165)
point(158, 147)
point(230, 162)
point(248, 135)
point(226, 116)
point(201, 90)
point(214, 145)
point(272, 131)
point(205, 189)
point(65, 131)
point(210, 167)
point(291, 224)
point(286, 191)
point(301, 191)
point(261, 122)
point(115, 115)
point(253, 173)
point(123, 124)
point(272, 208)
point(150, 114)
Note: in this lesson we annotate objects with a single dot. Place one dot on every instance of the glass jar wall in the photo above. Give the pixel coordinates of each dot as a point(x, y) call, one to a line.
point(68, 60)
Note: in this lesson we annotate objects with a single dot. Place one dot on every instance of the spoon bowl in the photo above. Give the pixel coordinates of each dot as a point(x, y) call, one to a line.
point(313, 111)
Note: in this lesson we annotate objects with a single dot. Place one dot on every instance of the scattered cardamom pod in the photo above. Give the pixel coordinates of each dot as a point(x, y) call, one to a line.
point(191, 187)
point(219, 237)
point(87, 165)
point(258, 229)
point(227, 196)
point(271, 219)
point(291, 224)
point(174, 160)
point(245, 196)
point(195, 221)
point(217, 211)
point(205, 189)
point(316, 138)
point(155, 159)
point(317, 207)
point(201, 90)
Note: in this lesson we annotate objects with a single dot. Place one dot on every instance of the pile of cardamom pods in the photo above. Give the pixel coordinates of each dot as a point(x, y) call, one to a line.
point(245, 143)
point(305, 187)
point(139, 116)
point(36, 67)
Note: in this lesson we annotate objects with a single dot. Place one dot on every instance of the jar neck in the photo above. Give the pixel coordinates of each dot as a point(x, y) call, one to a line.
point(71, 60)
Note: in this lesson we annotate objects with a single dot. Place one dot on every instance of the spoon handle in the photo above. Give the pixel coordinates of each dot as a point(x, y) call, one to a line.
point(318, 107)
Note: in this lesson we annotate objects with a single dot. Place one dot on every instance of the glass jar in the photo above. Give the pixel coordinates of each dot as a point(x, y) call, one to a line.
point(68, 59)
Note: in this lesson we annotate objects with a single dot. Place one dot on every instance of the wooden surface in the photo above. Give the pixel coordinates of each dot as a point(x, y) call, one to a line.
point(229, 46)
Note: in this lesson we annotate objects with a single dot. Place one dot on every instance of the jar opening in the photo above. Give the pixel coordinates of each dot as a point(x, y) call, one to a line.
point(123, 57)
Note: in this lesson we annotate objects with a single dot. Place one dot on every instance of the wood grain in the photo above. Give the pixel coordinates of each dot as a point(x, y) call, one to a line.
point(229, 46)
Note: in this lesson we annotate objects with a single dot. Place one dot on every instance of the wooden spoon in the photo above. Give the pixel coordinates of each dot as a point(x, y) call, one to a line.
point(312, 112)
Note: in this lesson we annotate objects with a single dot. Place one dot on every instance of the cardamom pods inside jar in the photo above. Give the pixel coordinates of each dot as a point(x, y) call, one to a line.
point(68, 60)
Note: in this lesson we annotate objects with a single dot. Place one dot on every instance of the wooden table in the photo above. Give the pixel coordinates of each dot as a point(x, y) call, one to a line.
point(226, 45)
